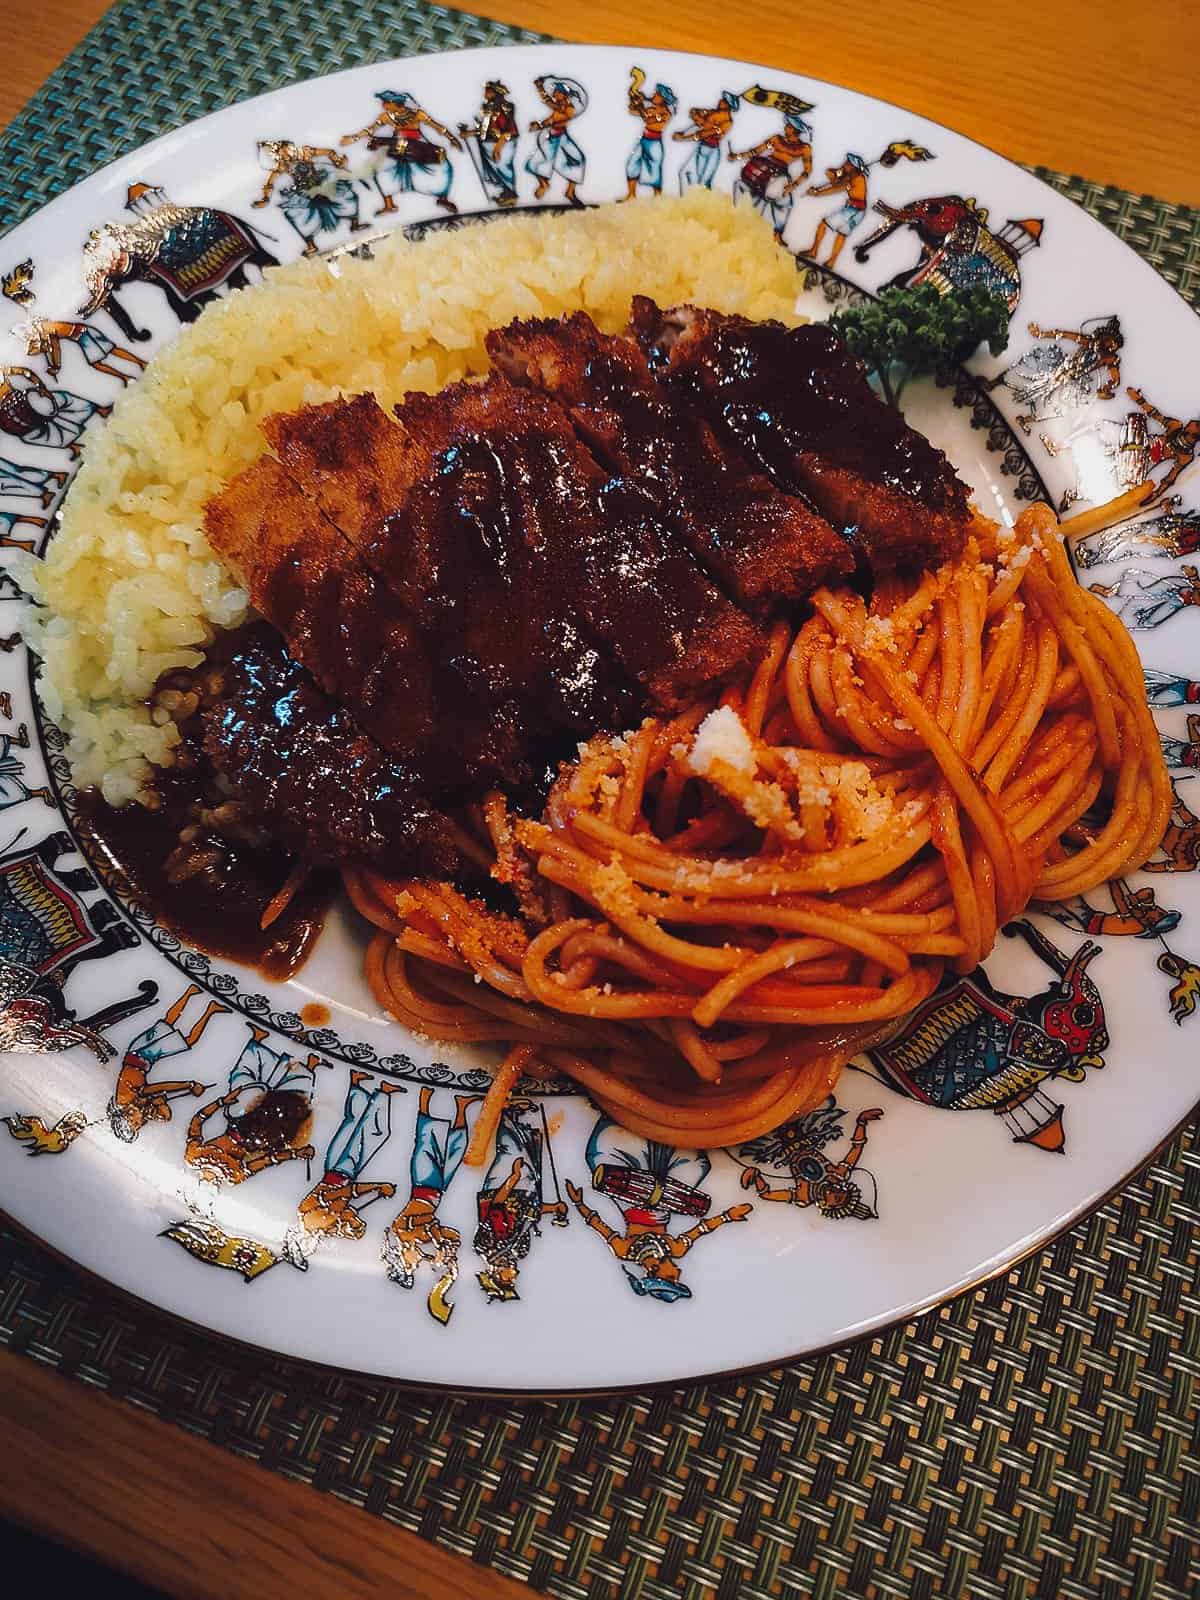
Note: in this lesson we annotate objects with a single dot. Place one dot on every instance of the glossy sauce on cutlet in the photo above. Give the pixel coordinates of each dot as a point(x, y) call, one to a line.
point(780, 390)
point(301, 765)
point(491, 511)
point(757, 542)
point(218, 910)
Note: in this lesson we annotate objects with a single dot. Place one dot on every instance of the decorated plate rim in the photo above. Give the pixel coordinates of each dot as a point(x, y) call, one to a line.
point(995, 1265)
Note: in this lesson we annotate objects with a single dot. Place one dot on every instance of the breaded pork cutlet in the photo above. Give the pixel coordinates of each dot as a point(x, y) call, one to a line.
point(797, 403)
point(599, 565)
point(359, 467)
point(339, 622)
point(299, 768)
point(761, 545)
point(428, 503)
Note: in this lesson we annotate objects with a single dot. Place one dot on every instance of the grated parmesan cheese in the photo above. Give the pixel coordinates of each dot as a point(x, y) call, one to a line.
point(722, 736)
point(879, 633)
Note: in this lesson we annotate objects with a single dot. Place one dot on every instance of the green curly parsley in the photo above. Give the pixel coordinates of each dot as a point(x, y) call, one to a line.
point(910, 331)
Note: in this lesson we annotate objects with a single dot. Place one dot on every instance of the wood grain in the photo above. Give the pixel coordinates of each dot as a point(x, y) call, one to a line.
point(194, 1520)
point(35, 35)
point(1077, 85)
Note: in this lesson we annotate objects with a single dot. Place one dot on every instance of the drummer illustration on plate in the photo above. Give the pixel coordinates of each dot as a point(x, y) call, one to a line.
point(768, 176)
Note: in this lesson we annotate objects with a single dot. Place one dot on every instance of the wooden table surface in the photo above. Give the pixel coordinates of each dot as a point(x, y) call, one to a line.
point(1082, 91)
point(1076, 85)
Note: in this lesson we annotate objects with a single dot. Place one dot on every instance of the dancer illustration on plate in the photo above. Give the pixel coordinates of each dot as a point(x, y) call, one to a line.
point(1177, 442)
point(136, 1100)
point(790, 1165)
point(1135, 914)
point(1170, 534)
point(556, 150)
point(333, 1207)
point(1183, 752)
point(44, 337)
point(268, 1111)
point(512, 1201)
point(14, 791)
point(850, 180)
point(1181, 842)
point(22, 482)
point(645, 164)
point(1113, 456)
point(314, 199)
point(708, 126)
point(416, 1236)
point(18, 519)
point(1144, 601)
point(491, 142)
point(1170, 689)
point(412, 163)
point(1077, 366)
point(650, 1184)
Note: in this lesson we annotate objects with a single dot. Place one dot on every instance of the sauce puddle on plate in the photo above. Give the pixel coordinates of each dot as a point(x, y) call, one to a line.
point(218, 909)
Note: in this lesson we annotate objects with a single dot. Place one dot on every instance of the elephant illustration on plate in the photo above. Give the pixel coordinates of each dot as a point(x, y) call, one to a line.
point(958, 249)
point(189, 252)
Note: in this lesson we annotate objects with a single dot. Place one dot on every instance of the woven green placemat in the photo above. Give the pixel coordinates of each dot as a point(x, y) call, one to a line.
point(1036, 1436)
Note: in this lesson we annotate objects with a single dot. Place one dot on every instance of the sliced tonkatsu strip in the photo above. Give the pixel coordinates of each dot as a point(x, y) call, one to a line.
point(797, 403)
point(360, 467)
point(427, 506)
point(760, 544)
point(339, 622)
point(493, 491)
point(299, 768)
point(597, 556)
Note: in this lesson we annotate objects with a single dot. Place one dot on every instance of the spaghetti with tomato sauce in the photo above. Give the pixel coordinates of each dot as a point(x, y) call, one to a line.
point(718, 909)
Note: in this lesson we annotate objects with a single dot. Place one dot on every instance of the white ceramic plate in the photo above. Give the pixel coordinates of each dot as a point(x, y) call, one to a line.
point(971, 1157)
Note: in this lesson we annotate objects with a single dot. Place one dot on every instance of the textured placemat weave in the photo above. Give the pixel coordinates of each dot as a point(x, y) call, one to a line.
point(1036, 1436)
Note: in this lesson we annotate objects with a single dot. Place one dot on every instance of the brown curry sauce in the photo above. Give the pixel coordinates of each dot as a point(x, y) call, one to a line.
point(219, 910)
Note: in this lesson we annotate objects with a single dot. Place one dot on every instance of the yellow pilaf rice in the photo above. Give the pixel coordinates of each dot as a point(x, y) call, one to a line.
point(129, 584)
